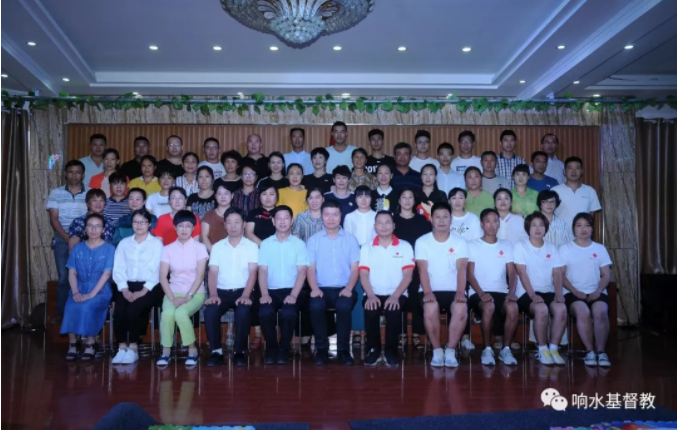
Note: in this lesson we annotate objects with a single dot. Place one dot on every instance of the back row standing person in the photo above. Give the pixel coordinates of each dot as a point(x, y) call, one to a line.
point(447, 176)
point(254, 147)
point(507, 159)
point(298, 154)
point(465, 159)
point(174, 160)
point(132, 168)
point(93, 163)
point(212, 150)
point(340, 153)
point(377, 157)
point(422, 156)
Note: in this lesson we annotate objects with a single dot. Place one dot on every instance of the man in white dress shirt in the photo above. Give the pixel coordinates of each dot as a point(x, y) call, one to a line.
point(298, 154)
point(555, 169)
point(576, 197)
point(447, 177)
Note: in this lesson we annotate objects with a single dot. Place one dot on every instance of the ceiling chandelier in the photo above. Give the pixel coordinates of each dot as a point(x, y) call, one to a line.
point(299, 21)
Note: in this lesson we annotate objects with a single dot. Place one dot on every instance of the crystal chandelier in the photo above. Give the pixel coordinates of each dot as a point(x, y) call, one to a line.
point(299, 21)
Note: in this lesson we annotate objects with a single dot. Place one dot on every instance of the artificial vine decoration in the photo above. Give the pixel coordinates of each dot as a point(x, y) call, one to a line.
point(259, 102)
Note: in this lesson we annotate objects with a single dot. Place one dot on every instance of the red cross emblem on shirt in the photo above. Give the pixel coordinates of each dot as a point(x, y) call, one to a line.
point(500, 252)
point(547, 256)
point(451, 250)
point(397, 253)
point(594, 255)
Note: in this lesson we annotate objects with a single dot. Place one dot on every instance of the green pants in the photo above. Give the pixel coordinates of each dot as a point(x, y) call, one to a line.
point(180, 316)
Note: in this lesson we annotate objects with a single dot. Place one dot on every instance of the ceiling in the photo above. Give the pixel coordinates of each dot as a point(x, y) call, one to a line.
point(102, 47)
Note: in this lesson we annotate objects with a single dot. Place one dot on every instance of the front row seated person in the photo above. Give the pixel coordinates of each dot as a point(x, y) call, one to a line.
point(539, 291)
point(89, 269)
point(442, 259)
point(386, 269)
point(232, 275)
point(586, 277)
point(333, 254)
point(185, 260)
point(283, 265)
point(491, 274)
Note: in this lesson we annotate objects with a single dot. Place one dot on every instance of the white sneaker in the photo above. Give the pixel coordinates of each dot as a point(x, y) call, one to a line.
point(450, 358)
point(438, 358)
point(590, 359)
point(467, 345)
point(506, 357)
point(544, 357)
point(130, 357)
point(557, 358)
point(603, 360)
point(488, 357)
point(119, 356)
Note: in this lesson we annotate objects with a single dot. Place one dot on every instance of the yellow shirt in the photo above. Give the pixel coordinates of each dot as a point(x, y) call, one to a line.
point(150, 188)
point(296, 200)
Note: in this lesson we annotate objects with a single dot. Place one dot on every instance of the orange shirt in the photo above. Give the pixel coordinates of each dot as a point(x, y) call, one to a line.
point(96, 181)
point(164, 229)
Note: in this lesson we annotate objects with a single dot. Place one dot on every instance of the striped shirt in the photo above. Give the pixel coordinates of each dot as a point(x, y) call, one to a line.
point(190, 187)
point(70, 206)
point(245, 202)
point(115, 209)
point(305, 225)
point(505, 166)
point(559, 232)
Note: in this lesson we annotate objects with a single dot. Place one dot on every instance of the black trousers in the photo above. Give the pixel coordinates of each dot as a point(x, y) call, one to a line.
point(212, 316)
point(414, 306)
point(393, 325)
point(344, 306)
point(288, 316)
point(131, 318)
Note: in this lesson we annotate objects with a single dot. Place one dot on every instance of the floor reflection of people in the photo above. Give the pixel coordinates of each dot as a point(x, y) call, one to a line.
point(184, 411)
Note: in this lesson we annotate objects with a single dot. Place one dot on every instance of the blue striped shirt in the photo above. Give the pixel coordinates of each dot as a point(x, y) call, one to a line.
point(115, 209)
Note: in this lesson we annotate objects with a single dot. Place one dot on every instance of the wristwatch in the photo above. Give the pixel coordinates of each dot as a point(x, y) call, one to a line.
point(190, 294)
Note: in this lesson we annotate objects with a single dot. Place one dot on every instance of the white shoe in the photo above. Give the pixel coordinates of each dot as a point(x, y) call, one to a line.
point(450, 358)
point(506, 357)
point(467, 345)
point(438, 358)
point(130, 357)
point(590, 359)
point(544, 357)
point(119, 356)
point(557, 358)
point(488, 357)
point(603, 360)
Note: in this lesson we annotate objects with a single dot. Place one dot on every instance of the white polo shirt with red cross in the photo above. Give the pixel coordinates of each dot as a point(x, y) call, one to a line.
point(386, 265)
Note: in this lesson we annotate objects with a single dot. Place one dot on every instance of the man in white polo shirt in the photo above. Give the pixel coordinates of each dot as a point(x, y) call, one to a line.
point(386, 268)
point(232, 275)
point(283, 265)
point(442, 259)
point(298, 154)
point(491, 296)
point(576, 197)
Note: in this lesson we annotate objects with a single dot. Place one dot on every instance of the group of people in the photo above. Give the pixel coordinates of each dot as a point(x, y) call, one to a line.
point(267, 238)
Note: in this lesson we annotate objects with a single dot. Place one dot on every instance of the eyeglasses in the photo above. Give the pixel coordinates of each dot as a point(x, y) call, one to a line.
point(248, 175)
point(176, 199)
point(139, 222)
point(95, 226)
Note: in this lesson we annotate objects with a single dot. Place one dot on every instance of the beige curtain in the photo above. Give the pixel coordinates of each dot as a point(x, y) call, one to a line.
point(15, 212)
point(657, 195)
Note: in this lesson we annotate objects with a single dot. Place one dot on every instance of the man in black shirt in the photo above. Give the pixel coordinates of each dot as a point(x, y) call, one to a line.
point(174, 160)
point(320, 178)
point(132, 168)
point(254, 146)
point(377, 156)
point(403, 175)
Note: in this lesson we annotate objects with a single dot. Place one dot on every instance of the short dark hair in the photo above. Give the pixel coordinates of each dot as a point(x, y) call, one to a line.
point(95, 192)
point(521, 168)
point(465, 133)
point(508, 133)
point(246, 162)
point(359, 151)
point(117, 178)
point(99, 216)
point(190, 154)
point(502, 190)
point(184, 215)
point(342, 170)
point(547, 195)
point(457, 190)
point(445, 145)
point(421, 133)
point(537, 153)
point(536, 215)
point(174, 136)
point(141, 138)
point(268, 186)
point(303, 132)
point(433, 167)
point(586, 216)
point(138, 190)
point(111, 151)
point(221, 184)
point(440, 205)
point(294, 165)
point(211, 139)
point(98, 136)
point(149, 158)
point(487, 153)
point(282, 208)
point(362, 190)
point(573, 160)
point(550, 134)
point(233, 210)
point(385, 213)
point(144, 213)
point(339, 124)
point(233, 155)
point(205, 168)
point(375, 132)
point(279, 155)
point(165, 172)
point(310, 190)
point(488, 211)
point(471, 169)
point(179, 189)
point(320, 151)
point(330, 204)
point(402, 145)
point(384, 165)
point(74, 163)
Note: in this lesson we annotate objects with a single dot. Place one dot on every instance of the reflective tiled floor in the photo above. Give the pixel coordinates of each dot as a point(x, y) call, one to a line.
point(41, 391)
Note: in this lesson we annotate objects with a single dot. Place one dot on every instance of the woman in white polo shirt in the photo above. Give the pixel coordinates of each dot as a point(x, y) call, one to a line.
point(586, 278)
point(540, 290)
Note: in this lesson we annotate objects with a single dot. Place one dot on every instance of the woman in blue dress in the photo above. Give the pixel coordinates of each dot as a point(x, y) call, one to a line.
point(89, 270)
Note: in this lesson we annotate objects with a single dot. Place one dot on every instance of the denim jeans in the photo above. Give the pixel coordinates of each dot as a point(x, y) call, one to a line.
point(212, 316)
point(63, 287)
point(358, 311)
point(343, 306)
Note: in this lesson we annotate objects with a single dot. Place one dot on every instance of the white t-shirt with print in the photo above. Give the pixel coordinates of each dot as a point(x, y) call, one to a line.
point(490, 264)
point(441, 258)
point(467, 226)
point(583, 265)
point(539, 263)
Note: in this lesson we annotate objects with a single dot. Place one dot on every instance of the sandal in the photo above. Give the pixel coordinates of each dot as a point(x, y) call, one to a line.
point(72, 356)
point(416, 341)
point(89, 356)
point(256, 343)
point(403, 340)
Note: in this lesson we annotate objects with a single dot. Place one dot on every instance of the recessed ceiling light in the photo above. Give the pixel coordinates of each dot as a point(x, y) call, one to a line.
point(217, 48)
point(577, 82)
point(595, 95)
point(274, 48)
point(337, 48)
point(523, 82)
point(240, 95)
point(4, 75)
point(466, 49)
point(135, 93)
point(153, 48)
point(402, 48)
point(629, 46)
point(32, 44)
point(560, 47)
point(65, 79)
point(345, 95)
